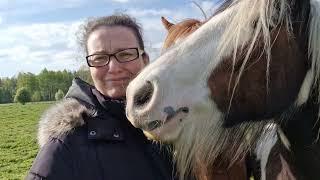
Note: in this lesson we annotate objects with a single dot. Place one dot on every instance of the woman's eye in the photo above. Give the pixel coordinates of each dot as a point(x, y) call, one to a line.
point(99, 58)
point(125, 55)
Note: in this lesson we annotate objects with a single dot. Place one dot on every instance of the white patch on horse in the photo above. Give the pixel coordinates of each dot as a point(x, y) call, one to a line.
point(284, 140)
point(264, 146)
point(305, 89)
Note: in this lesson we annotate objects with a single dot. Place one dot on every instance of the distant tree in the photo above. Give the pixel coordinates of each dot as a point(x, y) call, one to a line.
point(45, 84)
point(29, 81)
point(84, 73)
point(22, 96)
point(1, 94)
point(9, 86)
point(5, 96)
point(64, 79)
point(59, 95)
point(51, 81)
point(36, 97)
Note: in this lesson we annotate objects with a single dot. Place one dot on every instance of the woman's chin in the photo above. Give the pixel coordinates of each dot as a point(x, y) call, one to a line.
point(115, 93)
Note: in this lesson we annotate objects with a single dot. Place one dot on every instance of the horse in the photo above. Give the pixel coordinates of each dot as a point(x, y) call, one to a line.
point(253, 63)
point(175, 33)
point(273, 167)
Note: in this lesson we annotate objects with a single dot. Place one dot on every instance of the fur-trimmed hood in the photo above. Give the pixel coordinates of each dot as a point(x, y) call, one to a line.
point(82, 100)
point(60, 119)
point(64, 116)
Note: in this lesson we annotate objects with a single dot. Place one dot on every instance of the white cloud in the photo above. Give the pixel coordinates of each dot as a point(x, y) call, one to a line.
point(149, 12)
point(37, 7)
point(30, 48)
point(154, 32)
point(41, 35)
point(51, 45)
point(4, 3)
point(130, 1)
point(120, 1)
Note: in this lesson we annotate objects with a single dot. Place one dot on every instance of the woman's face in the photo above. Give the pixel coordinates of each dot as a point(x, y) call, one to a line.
point(112, 80)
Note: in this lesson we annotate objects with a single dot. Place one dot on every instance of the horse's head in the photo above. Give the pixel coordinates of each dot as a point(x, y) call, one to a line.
point(212, 92)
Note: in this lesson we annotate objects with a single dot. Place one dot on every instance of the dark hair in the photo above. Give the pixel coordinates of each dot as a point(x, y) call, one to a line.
point(118, 19)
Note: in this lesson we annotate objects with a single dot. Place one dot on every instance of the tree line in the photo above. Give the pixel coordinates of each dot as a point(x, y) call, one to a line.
point(46, 86)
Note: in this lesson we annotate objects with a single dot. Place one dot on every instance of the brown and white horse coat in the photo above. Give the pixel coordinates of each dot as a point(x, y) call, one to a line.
point(254, 63)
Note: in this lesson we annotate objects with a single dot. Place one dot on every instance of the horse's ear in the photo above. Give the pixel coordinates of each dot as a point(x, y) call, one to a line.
point(166, 23)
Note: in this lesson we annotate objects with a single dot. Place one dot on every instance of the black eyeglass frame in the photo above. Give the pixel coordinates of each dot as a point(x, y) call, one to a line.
point(139, 53)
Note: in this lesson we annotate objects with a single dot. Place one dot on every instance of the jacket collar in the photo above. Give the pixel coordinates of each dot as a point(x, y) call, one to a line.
point(104, 128)
point(83, 105)
point(106, 125)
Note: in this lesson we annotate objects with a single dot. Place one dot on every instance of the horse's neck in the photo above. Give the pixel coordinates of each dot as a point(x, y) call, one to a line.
point(280, 165)
point(301, 127)
point(221, 171)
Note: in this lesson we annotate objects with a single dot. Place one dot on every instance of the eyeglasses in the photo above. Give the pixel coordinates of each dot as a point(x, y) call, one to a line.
point(123, 56)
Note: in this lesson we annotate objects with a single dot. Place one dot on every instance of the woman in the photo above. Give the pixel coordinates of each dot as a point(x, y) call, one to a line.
point(87, 136)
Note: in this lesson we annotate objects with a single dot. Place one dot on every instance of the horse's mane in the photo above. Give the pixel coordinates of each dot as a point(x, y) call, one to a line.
point(314, 41)
point(266, 16)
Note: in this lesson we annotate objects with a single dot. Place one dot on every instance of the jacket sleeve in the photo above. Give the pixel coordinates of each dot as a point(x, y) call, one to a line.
point(53, 161)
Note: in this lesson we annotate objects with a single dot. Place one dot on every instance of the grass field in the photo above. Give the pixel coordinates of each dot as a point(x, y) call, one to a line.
point(18, 144)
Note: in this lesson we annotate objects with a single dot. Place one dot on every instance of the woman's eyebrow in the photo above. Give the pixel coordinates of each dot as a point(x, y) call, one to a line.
point(115, 50)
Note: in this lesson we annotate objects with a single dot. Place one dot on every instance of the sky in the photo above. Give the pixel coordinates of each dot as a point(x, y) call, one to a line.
point(43, 34)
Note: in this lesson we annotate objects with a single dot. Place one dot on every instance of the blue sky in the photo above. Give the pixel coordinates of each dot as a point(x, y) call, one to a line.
point(42, 34)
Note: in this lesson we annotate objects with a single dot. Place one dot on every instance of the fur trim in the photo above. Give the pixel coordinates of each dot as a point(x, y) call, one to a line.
point(60, 120)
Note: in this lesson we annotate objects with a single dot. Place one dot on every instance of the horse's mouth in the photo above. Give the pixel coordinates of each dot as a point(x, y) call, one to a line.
point(172, 115)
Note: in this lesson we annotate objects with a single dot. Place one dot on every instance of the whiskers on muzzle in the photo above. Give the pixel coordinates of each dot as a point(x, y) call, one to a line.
point(170, 115)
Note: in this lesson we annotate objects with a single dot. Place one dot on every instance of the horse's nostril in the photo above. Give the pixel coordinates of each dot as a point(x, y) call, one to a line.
point(144, 94)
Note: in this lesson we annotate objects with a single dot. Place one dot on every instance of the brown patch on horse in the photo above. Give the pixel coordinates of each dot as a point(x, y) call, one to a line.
point(280, 164)
point(252, 99)
point(179, 31)
point(221, 170)
point(285, 173)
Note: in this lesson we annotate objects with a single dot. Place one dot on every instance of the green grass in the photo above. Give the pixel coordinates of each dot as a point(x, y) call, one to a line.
point(18, 143)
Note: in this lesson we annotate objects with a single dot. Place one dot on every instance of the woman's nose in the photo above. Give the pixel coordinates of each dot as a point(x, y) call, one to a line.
point(114, 65)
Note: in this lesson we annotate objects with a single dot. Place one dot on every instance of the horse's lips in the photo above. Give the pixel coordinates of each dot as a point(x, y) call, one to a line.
point(153, 125)
point(157, 123)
